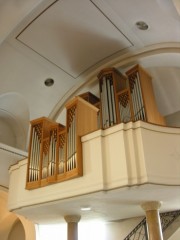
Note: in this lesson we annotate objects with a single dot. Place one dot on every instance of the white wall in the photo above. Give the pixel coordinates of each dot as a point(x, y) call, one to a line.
point(12, 226)
point(176, 235)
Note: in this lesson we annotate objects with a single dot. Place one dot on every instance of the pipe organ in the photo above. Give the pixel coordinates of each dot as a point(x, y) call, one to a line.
point(55, 151)
point(81, 119)
point(42, 152)
point(127, 98)
point(142, 96)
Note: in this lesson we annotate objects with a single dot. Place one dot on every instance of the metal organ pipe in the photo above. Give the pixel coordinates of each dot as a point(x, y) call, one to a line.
point(113, 102)
point(71, 147)
point(107, 101)
point(61, 153)
point(141, 98)
point(134, 98)
point(35, 168)
point(34, 155)
point(52, 153)
point(38, 158)
point(137, 99)
point(30, 171)
point(45, 165)
point(139, 103)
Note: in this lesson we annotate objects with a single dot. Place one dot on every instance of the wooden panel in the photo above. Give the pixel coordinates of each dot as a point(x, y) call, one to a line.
point(125, 106)
point(37, 171)
point(91, 98)
point(85, 122)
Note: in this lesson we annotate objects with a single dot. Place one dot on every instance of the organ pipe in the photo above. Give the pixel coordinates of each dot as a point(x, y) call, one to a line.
point(142, 94)
point(55, 152)
point(110, 83)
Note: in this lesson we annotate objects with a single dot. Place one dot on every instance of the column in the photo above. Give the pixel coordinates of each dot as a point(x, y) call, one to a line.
point(72, 230)
point(153, 220)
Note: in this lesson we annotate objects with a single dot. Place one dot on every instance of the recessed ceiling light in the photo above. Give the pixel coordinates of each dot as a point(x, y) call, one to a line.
point(142, 25)
point(49, 82)
point(86, 208)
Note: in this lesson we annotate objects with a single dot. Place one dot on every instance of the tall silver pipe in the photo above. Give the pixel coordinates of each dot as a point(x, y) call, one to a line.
point(31, 159)
point(141, 98)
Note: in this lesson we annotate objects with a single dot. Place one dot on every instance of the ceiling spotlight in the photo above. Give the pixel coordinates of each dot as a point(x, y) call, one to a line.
point(49, 82)
point(142, 25)
point(85, 208)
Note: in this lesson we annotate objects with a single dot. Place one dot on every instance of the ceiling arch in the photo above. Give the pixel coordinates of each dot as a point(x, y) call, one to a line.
point(14, 120)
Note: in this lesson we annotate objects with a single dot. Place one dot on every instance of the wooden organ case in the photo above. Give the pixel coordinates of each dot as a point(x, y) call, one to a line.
point(127, 98)
point(81, 119)
point(42, 152)
point(142, 96)
point(55, 151)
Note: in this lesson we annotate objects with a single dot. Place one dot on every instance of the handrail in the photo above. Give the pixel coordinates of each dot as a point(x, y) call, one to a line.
point(140, 231)
point(168, 218)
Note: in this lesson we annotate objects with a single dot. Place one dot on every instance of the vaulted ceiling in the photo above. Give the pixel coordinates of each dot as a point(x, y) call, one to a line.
point(70, 41)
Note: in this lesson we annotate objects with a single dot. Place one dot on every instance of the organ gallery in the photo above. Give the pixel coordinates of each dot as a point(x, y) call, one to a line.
point(55, 151)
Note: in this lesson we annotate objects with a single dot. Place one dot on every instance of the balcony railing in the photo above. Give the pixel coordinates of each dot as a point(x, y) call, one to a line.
point(140, 231)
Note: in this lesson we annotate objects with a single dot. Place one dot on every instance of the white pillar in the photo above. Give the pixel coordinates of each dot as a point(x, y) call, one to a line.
point(72, 231)
point(153, 220)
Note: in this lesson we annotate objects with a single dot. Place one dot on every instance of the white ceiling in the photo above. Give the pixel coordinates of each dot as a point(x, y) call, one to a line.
point(71, 41)
point(69, 31)
point(113, 205)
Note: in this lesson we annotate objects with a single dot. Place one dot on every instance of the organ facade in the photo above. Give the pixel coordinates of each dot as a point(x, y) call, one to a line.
point(55, 151)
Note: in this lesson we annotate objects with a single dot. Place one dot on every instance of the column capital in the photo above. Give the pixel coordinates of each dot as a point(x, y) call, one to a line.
point(151, 205)
point(72, 218)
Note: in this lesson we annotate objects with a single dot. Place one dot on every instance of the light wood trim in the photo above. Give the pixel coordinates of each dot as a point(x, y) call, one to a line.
point(86, 122)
